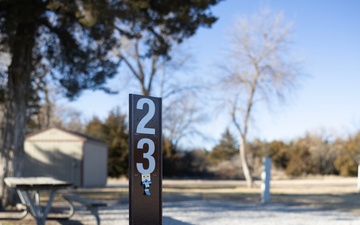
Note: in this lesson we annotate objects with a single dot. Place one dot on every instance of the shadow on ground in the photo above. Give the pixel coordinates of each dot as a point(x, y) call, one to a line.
point(349, 202)
point(171, 221)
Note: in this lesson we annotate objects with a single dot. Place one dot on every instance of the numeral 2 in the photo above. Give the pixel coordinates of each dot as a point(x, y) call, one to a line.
point(141, 129)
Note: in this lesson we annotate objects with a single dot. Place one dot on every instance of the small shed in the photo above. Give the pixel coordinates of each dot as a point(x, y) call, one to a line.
point(66, 155)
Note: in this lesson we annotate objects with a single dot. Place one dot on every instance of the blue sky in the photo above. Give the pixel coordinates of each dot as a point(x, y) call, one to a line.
point(326, 38)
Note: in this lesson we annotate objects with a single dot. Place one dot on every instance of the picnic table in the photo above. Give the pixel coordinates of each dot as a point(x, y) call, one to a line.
point(28, 189)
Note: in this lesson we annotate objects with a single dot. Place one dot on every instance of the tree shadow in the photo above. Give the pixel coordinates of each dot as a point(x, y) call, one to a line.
point(54, 164)
point(169, 220)
point(69, 222)
point(251, 201)
point(340, 202)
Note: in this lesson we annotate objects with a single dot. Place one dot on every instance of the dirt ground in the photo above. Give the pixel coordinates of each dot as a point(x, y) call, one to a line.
point(322, 193)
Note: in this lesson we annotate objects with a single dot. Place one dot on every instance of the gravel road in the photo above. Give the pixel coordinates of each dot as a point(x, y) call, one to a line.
point(221, 212)
point(213, 212)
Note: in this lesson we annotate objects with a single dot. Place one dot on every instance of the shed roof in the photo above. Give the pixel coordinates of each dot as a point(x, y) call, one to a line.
point(60, 134)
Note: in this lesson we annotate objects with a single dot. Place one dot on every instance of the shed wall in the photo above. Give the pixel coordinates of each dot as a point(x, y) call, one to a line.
point(94, 164)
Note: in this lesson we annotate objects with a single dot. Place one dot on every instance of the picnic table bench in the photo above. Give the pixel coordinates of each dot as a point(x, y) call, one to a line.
point(90, 204)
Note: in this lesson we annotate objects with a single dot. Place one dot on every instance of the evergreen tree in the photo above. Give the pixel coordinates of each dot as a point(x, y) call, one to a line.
point(171, 158)
point(117, 136)
point(73, 42)
point(300, 160)
point(95, 128)
point(348, 158)
point(225, 150)
point(114, 132)
point(279, 152)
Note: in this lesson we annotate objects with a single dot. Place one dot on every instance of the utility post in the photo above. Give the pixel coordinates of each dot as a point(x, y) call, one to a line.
point(265, 180)
point(358, 184)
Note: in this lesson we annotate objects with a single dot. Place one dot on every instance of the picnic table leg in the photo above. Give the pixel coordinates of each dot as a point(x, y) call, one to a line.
point(35, 206)
point(37, 203)
point(48, 206)
point(94, 211)
point(28, 202)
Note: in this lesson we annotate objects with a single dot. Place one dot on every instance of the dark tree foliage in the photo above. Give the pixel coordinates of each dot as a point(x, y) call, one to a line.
point(279, 152)
point(71, 40)
point(192, 164)
point(300, 162)
point(162, 22)
point(348, 158)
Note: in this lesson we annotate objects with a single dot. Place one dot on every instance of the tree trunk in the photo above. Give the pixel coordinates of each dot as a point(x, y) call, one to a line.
point(4, 165)
point(244, 163)
point(16, 97)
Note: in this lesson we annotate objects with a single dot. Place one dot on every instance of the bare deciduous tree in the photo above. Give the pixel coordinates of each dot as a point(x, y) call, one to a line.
point(323, 147)
point(53, 113)
point(157, 76)
point(181, 114)
point(258, 69)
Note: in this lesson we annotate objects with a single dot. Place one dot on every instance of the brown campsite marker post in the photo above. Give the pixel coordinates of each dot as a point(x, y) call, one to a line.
point(145, 166)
